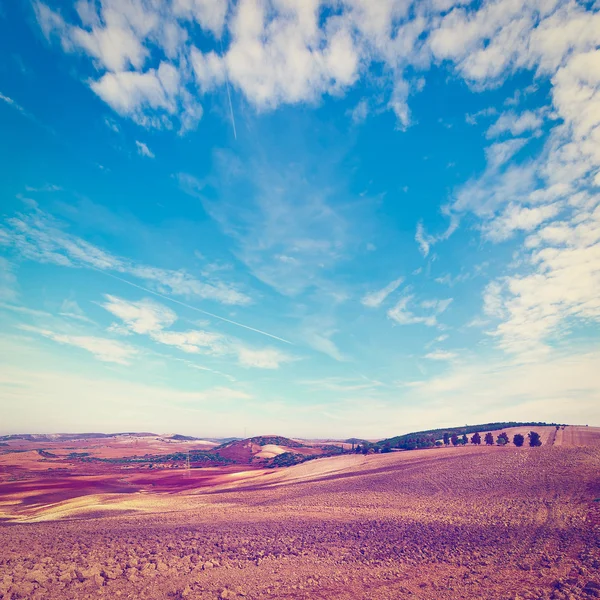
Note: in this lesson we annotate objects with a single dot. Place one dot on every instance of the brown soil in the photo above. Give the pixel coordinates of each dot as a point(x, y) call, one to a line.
point(476, 523)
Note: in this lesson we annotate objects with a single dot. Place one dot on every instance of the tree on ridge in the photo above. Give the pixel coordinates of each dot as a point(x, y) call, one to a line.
point(502, 439)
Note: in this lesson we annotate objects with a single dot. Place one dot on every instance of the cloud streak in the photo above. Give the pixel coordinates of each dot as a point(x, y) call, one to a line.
point(39, 237)
point(376, 299)
point(146, 317)
point(104, 349)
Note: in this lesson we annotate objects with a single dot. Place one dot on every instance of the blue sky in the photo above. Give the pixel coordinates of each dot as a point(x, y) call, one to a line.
point(319, 219)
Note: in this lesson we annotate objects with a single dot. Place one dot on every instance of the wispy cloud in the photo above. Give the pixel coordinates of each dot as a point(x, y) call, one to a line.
point(441, 355)
point(38, 236)
point(13, 104)
point(143, 150)
point(403, 315)
point(516, 124)
point(147, 317)
point(104, 349)
point(8, 281)
point(287, 228)
point(48, 187)
point(375, 299)
point(342, 384)
point(72, 310)
point(318, 331)
point(425, 240)
point(263, 358)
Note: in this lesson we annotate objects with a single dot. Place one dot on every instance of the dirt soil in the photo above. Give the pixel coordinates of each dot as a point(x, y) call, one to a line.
point(446, 523)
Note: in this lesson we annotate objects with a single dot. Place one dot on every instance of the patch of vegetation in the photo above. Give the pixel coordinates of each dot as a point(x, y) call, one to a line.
point(180, 458)
point(264, 440)
point(46, 454)
point(427, 439)
point(332, 450)
point(287, 459)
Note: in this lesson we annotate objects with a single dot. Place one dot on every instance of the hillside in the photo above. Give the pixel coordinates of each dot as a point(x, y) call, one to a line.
point(427, 438)
point(272, 451)
point(466, 522)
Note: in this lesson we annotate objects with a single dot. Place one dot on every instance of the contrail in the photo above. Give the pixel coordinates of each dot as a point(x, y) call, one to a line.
point(204, 312)
point(229, 96)
point(230, 107)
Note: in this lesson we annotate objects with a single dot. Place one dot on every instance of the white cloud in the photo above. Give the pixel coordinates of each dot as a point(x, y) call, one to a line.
point(193, 342)
point(550, 198)
point(402, 315)
point(562, 285)
point(147, 317)
point(376, 299)
point(423, 239)
point(500, 153)
point(287, 52)
point(321, 342)
point(290, 51)
point(519, 218)
point(12, 103)
point(438, 306)
point(317, 61)
point(451, 281)
point(150, 98)
point(360, 112)
point(209, 14)
point(264, 358)
point(514, 124)
point(473, 118)
point(103, 349)
point(48, 187)
point(143, 150)
point(441, 355)
point(278, 51)
point(426, 240)
point(209, 69)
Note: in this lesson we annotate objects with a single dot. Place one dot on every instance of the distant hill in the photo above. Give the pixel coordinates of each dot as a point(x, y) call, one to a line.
point(427, 438)
point(272, 451)
point(183, 438)
point(355, 441)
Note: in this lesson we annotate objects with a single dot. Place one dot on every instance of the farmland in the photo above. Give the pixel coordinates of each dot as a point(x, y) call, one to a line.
point(465, 522)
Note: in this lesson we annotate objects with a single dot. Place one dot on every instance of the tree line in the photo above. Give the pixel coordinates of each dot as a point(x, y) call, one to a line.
point(502, 439)
point(420, 442)
point(428, 438)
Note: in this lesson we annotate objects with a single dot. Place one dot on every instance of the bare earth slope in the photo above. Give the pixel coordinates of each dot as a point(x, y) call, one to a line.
point(485, 523)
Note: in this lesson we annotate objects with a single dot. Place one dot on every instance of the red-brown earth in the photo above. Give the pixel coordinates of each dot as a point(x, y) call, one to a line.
point(465, 522)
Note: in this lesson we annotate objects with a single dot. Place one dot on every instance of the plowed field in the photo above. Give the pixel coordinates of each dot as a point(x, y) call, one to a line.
point(473, 522)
